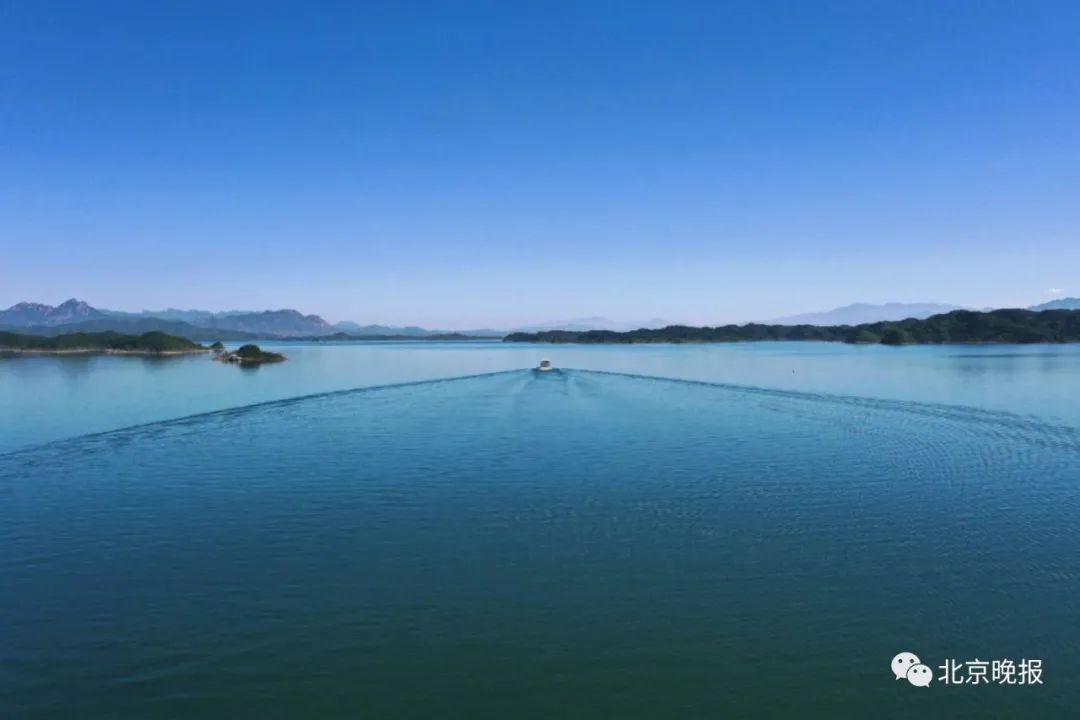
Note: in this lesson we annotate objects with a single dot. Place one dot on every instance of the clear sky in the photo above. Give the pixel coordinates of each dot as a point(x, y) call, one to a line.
point(458, 164)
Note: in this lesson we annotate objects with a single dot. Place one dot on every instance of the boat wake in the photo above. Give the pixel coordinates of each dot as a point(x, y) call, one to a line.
point(581, 389)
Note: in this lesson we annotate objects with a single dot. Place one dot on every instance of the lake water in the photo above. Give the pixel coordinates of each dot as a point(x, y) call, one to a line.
point(653, 531)
point(44, 399)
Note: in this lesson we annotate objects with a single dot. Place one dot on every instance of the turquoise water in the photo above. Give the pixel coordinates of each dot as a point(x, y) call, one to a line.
point(515, 544)
point(43, 399)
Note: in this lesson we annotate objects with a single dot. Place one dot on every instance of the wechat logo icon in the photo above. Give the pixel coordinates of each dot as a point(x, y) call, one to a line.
point(907, 666)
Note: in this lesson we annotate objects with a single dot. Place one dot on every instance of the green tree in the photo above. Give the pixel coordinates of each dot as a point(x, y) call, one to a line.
point(896, 336)
point(862, 335)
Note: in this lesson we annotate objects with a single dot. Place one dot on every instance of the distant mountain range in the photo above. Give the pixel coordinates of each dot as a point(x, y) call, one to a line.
point(859, 313)
point(958, 326)
point(78, 316)
point(356, 329)
point(593, 323)
point(1069, 303)
point(189, 316)
point(266, 323)
point(27, 314)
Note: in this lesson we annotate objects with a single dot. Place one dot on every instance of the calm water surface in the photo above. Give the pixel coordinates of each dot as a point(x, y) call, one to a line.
point(43, 399)
point(572, 544)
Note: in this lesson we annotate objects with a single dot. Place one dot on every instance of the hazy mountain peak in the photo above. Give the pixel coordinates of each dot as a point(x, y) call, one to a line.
point(858, 313)
point(271, 322)
point(1068, 303)
point(594, 323)
point(26, 314)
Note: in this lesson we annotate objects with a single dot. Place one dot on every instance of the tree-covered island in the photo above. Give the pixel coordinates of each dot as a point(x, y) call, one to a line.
point(959, 326)
point(112, 343)
point(248, 355)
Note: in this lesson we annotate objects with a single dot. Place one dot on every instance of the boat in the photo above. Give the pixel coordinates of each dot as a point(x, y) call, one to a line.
point(544, 366)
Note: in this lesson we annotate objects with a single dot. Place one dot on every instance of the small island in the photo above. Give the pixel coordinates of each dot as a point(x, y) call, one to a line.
point(100, 343)
point(959, 327)
point(246, 355)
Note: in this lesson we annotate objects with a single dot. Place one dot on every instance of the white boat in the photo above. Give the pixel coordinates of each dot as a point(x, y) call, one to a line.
point(544, 366)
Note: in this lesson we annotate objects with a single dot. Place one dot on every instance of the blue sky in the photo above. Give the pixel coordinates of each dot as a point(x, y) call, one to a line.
point(463, 164)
